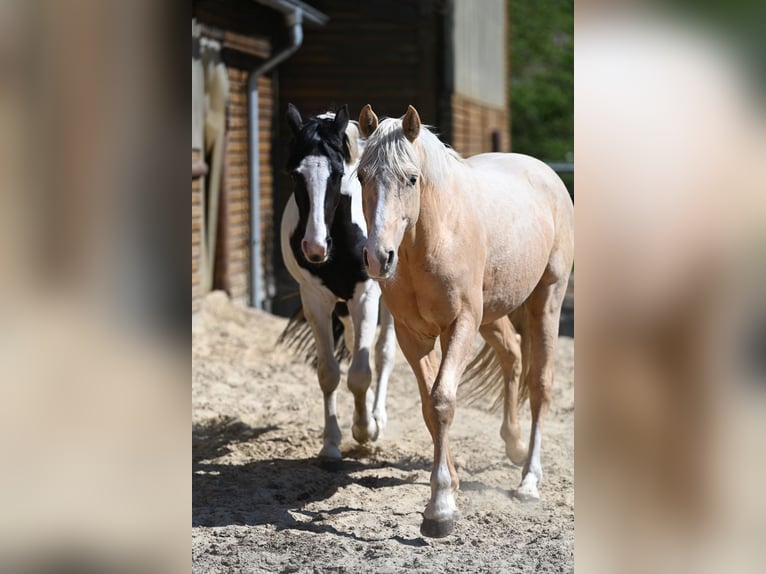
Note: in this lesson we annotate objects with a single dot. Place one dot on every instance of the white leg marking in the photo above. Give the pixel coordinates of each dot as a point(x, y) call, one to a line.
point(441, 506)
point(533, 470)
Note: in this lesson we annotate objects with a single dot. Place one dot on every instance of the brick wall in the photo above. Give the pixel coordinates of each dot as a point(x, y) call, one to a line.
point(473, 124)
point(232, 272)
point(196, 226)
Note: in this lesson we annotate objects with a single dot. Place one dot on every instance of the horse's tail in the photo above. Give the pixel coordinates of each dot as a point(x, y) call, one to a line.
point(483, 377)
point(299, 338)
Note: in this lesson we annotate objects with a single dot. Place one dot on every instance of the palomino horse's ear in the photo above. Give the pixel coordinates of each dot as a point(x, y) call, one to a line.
point(294, 119)
point(411, 124)
point(368, 121)
point(341, 119)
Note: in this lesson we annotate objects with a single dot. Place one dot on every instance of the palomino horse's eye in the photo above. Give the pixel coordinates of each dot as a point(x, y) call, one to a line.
point(413, 179)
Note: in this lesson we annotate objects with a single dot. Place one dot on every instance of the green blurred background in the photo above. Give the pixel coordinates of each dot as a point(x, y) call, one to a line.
point(542, 80)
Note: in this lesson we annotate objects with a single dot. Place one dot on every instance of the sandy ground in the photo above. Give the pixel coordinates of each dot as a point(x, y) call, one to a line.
point(262, 502)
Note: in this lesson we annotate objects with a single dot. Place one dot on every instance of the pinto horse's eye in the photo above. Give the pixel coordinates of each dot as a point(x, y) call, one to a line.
point(413, 179)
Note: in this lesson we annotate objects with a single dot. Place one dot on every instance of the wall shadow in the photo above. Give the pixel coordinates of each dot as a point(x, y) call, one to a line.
point(272, 491)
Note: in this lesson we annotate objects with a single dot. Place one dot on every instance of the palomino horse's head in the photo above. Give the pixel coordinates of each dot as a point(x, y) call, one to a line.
point(390, 174)
point(316, 163)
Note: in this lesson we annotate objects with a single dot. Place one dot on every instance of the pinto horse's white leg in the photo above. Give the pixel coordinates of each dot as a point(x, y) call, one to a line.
point(543, 311)
point(504, 340)
point(348, 332)
point(385, 356)
point(318, 310)
point(364, 316)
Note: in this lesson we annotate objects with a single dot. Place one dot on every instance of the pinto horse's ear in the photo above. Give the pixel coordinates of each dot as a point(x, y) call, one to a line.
point(294, 119)
point(411, 124)
point(341, 119)
point(368, 121)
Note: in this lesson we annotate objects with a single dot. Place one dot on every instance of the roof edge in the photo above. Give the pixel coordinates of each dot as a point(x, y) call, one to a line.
point(310, 14)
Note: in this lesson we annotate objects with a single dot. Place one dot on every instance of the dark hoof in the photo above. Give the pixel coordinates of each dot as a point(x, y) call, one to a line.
point(330, 464)
point(437, 528)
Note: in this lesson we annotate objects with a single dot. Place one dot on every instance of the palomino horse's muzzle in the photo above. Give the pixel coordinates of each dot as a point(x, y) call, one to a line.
point(381, 264)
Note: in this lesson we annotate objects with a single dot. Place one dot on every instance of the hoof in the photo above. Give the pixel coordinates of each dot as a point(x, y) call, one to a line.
point(330, 452)
point(364, 435)
point(527, 493)
point(437, 528)
point(330, 464)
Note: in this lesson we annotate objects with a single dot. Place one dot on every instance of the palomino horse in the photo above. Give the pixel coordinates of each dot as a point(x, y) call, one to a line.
point(323, 233)
point(458, 246)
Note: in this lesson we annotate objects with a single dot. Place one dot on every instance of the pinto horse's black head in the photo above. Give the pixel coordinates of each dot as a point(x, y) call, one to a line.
point(318, 152)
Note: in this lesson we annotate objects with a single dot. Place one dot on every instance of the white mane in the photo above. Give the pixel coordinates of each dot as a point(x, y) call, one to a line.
point(355, 142)
point(389, 150)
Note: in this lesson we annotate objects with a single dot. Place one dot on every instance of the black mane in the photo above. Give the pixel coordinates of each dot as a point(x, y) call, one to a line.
point(318, 137)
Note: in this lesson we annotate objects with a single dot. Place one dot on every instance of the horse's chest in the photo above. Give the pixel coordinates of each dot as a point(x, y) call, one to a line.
point(420, 303)
point(345, 268)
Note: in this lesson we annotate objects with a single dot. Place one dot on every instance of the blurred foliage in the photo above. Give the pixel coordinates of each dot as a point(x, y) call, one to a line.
point(542, 78)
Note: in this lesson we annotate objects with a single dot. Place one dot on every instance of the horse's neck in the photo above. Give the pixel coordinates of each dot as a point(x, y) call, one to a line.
point(350, 187)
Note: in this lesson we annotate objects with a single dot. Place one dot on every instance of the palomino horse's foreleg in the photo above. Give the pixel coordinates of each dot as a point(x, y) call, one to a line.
point(318, 312)
point(543, 312)
point(385, 356)
point(439, 515)
point(504, 340)
point(364, 315)
point(420, 354)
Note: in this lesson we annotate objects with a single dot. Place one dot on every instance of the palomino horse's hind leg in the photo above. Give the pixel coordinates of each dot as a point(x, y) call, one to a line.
point(364, 315)
point(385, 355)
point(504, 340)
point(318, 311)
point(543, 311)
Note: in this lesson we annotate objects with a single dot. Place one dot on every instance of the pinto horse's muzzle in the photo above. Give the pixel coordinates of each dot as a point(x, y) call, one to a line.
point(316, 252)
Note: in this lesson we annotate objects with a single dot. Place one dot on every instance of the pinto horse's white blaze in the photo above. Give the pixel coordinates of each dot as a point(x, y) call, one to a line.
point(315, 171)
point(484, 245)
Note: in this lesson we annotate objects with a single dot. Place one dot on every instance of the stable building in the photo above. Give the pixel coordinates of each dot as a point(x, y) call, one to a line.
point(250, 58)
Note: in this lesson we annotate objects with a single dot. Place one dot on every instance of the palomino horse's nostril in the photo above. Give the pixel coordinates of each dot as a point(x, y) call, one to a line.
point(388, 263)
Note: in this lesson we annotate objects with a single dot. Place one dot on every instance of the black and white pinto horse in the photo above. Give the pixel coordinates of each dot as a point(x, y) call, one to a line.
point(323, 234)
